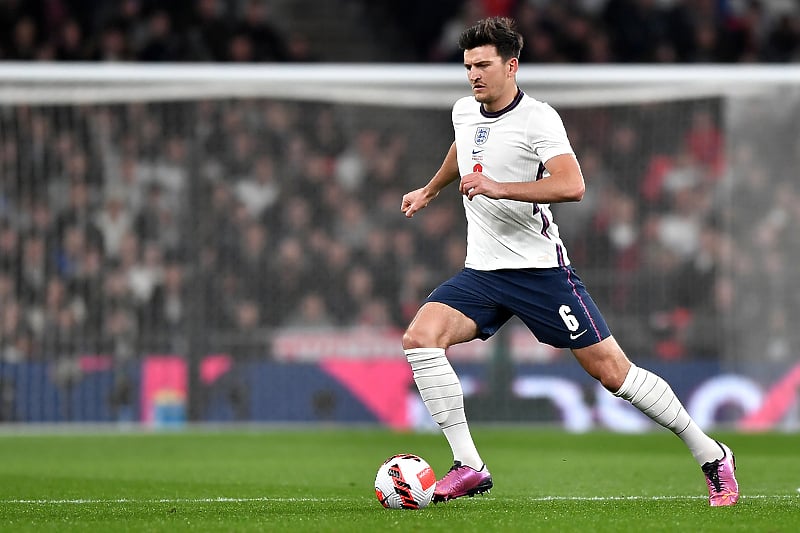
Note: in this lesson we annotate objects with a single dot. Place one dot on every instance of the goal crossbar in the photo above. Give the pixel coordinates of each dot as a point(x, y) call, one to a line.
point(426, 86)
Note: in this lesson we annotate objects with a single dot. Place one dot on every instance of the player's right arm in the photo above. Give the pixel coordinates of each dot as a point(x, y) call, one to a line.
point(447, 174)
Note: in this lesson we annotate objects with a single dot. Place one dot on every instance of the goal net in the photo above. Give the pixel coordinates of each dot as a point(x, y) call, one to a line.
point(225, 242)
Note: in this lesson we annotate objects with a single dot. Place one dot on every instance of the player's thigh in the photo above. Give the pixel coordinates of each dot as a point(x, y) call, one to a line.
point(437, 325)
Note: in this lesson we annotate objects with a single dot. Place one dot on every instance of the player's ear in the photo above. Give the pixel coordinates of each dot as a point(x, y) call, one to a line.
point(512, 66)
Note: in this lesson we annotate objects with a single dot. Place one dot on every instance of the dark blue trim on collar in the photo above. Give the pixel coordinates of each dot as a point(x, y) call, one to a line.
point(514, 103)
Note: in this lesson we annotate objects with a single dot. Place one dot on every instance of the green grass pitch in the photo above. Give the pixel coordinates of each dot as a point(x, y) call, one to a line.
point(322, 480)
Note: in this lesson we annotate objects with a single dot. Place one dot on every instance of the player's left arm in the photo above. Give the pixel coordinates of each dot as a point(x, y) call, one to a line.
point(564, 184)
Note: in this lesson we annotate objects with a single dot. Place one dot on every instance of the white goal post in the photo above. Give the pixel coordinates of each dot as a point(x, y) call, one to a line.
point(418, 86)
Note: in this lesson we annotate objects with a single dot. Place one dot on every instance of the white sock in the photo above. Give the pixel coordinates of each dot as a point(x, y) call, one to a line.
point(654, 397)
point(441, 392)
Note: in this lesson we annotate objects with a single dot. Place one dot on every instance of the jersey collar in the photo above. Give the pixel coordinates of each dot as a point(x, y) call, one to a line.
point(514, 103)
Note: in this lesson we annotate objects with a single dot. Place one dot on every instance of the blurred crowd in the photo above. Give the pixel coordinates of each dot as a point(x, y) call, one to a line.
point(141, 228)
point(563, 31)
point(145, 30)
point(125, 228)
point(607, 31)
point(149, 228)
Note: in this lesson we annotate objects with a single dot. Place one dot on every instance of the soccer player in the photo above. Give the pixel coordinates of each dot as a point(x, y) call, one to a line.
point(512, 158)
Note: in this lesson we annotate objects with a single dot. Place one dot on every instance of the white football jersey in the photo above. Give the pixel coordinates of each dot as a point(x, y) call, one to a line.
point(510, 145)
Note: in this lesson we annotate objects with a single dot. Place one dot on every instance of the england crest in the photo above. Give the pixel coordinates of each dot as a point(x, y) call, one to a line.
point(481, 135)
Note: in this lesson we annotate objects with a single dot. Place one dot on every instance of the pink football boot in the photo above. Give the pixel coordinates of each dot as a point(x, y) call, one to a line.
point(460, 481)
point(722, 486)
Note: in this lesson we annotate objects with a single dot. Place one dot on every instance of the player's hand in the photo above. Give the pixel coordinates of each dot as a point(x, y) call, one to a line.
point(478, 183)
point(415, 200)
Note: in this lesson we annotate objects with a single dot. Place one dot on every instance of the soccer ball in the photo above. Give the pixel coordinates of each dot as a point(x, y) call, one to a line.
point(405, 481)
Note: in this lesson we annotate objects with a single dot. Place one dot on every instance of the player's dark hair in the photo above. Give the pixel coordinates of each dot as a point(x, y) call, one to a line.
point(501, 32)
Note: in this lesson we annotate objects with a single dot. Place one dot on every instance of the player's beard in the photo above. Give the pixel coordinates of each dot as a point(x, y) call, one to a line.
point(482, 97)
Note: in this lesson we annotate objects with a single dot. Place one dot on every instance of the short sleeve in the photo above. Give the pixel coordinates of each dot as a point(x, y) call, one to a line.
point(547, 133)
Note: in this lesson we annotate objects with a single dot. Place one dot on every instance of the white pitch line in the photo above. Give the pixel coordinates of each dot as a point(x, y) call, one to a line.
point(643, 498)
point(89, 501)
point(654, 498)
point(81, 501)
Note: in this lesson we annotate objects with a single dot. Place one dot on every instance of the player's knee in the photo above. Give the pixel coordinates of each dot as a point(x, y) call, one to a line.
point(413, 338)
point(419, 336)
point(605, 362)
point(612, 374)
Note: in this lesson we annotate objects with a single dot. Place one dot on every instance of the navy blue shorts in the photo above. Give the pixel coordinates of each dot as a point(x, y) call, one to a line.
point(552, 302)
